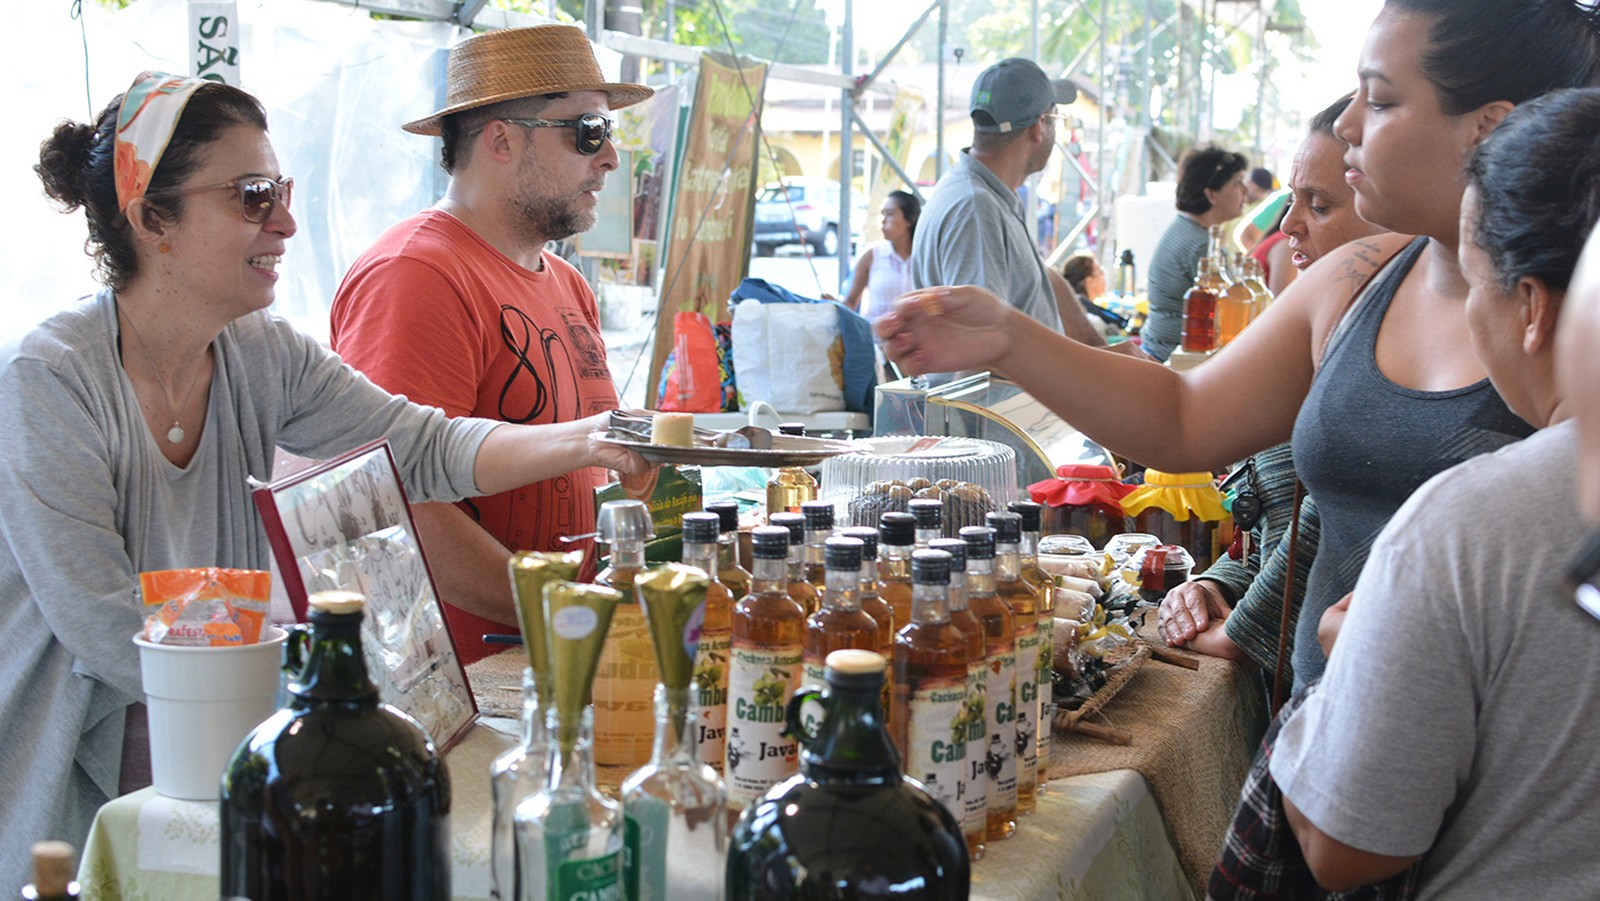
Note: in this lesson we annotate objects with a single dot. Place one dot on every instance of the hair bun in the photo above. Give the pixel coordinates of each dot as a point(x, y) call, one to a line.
point(64, 164)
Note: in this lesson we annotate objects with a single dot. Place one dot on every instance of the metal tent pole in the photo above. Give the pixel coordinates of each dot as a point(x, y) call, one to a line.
point(847, 163)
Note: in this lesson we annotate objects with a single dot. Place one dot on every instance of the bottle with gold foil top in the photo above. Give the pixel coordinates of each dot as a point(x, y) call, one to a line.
point(1023, 600)
point(626, 681)
point(729, 572)
point(897, 538)
point(1000, 649)
point(1028, 553)
point(929, 724)
point(975, 780)
point(929, 515)
point(839, 622)
point(799, 587)
point(710, 680)
point(569, 835)
point(763, 672)
point(520, 771)
point(674, 808)
point(818, 517)
point(876, 607)
point(790, 486)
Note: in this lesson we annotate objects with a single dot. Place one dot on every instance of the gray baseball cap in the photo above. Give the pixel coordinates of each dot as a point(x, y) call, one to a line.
point(1014, 93)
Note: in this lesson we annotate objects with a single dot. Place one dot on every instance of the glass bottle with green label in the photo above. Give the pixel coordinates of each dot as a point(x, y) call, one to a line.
point(736, 577)
point(710, 686)
point(768, 635)
point(1045, 584)
point(840, 622)
point(929, 719)
point(1023, 600)
point(975, 781)
point(1000, 649)
point(799, 587)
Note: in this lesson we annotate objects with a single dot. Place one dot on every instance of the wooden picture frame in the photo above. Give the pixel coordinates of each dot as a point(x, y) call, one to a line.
point(346, 523)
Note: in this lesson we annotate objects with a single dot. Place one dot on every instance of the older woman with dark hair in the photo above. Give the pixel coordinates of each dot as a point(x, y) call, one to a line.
point(131, 424)
point(1211, 191)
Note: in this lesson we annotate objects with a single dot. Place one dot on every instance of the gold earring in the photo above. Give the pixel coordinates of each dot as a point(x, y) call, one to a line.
point(163, 248)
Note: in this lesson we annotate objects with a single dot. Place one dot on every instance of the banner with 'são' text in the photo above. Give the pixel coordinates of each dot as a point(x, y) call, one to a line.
point(214, 40)
point(708, 243)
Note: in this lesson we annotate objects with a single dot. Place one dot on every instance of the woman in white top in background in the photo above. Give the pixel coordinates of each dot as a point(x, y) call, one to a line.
point(883, 272)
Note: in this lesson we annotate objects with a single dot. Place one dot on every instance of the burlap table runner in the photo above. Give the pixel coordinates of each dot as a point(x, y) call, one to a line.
point(496, 682)
point(1194, 735)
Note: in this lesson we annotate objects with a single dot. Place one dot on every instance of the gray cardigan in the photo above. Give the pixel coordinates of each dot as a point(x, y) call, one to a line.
point(87, 502)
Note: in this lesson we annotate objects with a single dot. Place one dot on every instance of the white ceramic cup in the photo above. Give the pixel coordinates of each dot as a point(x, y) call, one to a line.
point(203, 701)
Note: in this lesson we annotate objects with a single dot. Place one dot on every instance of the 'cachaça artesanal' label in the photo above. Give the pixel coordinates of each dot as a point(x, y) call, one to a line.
point(711, 693)
point(975, 784)
point(760, 683)
point(936, 737)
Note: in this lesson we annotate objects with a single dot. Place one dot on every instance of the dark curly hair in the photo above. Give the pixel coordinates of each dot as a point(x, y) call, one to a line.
point(1205, 167)
point(1537, 179)
point(75, 165)
point(1480, 51)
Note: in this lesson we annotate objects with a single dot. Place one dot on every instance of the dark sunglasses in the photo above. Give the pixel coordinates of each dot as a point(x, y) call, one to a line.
point(258, 194)
point(594, 130)
point(1583, 576)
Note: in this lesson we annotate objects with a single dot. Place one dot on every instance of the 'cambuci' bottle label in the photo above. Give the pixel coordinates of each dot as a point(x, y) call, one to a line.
point(976, 786)
point(936, 738)
point(710, 686)
point(1001, 752)
point(760, 683)
point(589, 879)
point(1027, 709)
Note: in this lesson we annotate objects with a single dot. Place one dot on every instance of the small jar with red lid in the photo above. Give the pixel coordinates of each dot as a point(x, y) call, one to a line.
point(1082, 499)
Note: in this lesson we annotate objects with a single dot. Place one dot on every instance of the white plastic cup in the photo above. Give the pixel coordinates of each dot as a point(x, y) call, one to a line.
point(203, 701)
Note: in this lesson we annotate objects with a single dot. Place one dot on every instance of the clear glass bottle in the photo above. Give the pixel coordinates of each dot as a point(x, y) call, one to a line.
point(569, 835)
point(790, 486)
point(1255, 277)
point(1023, 600)
point(799, 587)
point(768, 628)
point(928, 723)
point(1028, 553)
point(849, 825)
point(674, 812)
point(818, 516)
point(335, 796)
point(626, 680)
point(1000, 647)
point(839, 622)
point(710, 681)
point(929, 516)
point(513, 777)
point(729, 572)
point(897, 538)
point(975, 779)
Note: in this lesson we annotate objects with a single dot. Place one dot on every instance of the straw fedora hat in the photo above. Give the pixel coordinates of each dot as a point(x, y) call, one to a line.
point(523, 62)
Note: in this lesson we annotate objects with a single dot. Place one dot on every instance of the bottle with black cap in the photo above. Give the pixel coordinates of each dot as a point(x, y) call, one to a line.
point(1045, 584)
point(819, 525)
point(849, 825)
point(897, 538)
point(929, 515)
point(764, 662)
point(1023, 599)
point(790, 486)
point(975, 779)
point(710, 681)
point(840, 622)
point(800, 588)
point(1000, 647)
point(930, 674)
point(736, 577)
point(867, 588)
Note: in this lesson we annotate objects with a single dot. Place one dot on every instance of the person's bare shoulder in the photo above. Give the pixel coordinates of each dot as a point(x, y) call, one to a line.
point(1326, 288)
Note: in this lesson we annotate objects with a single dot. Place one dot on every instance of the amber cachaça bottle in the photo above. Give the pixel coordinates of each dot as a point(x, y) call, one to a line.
point(876, 607)
point(729, 572)
point(1023, 599)
point(768, 637)
point(929, 723)
point(976, 779)
point(625, 685)
point(818, 517)
point(790, 486)
point(929, 515)
point(710, 681)
point(799, 587)
point(897, 538)
point(1045, 584)
point(1200, 309)
point(1000, 646)
point(840, 622)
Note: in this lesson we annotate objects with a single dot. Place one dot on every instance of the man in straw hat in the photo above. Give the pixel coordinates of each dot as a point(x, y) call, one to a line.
point(462, 307)
point(973, 230)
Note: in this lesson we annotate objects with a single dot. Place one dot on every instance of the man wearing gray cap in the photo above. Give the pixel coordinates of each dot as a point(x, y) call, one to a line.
point(974, 229)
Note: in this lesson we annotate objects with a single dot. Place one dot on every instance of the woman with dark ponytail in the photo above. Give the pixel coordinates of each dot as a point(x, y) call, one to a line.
point(131, 424)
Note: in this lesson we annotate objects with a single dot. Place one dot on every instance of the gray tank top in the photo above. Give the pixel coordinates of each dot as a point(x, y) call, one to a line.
point(1362, 444)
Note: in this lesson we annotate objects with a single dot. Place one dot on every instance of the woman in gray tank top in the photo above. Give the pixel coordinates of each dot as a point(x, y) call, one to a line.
point(1436, 77)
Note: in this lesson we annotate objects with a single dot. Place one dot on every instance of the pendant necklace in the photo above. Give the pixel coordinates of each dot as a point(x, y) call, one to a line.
point(175, 433)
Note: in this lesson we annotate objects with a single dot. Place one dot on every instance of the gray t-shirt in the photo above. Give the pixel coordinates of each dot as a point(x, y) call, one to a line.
point(972, 232)
point(87, 502)
point(1460, 711)
point(1172, 270)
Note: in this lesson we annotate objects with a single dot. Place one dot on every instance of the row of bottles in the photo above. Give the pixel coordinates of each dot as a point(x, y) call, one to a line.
point(1229, 292)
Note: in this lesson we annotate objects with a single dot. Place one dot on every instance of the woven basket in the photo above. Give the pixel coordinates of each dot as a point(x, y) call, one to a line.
point(1125, 661)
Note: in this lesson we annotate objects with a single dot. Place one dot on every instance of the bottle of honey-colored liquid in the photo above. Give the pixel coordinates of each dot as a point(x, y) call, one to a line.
point(1023, 599)
point(929, 514)
point(729, 572)
point(897, 538)
point(875, 606)
point(625, 681)
point(1200, 310)
point(818, 517)
point(974, 813)
point(710, 680)
point(1235, 304)
point(1045, 584)
point(768, 644)
point(790, 486)
point(930, 674)
point(839, 622)
point(1000, 646)
point(800, 588)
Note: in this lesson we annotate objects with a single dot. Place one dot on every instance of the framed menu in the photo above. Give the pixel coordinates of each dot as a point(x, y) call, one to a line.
point(346, 524)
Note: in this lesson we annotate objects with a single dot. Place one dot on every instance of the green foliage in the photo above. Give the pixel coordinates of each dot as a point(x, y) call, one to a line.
point(783, 31)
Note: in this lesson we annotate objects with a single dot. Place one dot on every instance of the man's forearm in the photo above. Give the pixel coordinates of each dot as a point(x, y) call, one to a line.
point(468, 564)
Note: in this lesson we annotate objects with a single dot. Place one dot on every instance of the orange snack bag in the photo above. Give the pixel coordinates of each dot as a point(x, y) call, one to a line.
point(205, 607)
